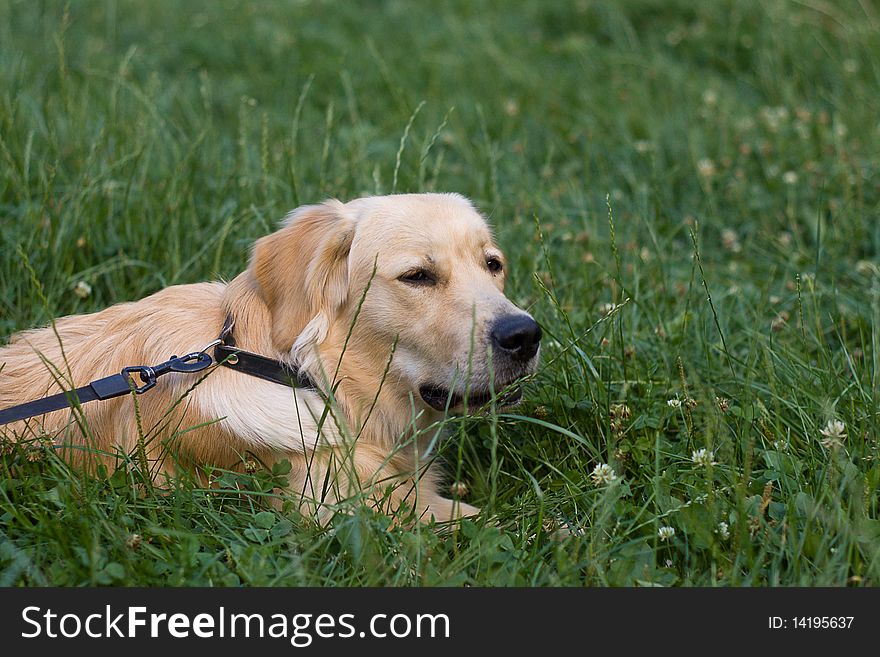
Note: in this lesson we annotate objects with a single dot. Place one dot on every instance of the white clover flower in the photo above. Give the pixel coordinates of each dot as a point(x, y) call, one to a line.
point(706, 168)
point(703, 457)
point(603, 474)
point(723, 530)
point(675, 402)
point(82, 289)
point(607, 308)
point(665, 533)
point(643, 146)
point(789, 178)
point(774, 116)
point(730, 240)
point(780, 320)
point(834, 434)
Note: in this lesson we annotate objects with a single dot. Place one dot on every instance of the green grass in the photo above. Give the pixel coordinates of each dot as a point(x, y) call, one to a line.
point(714, 167)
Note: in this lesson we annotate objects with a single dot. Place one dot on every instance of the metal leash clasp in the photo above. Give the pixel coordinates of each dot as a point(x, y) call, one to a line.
point(194, 362)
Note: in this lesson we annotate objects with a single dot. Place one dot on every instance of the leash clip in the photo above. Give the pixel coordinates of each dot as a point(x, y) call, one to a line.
point(194, 362)
point(148, 377)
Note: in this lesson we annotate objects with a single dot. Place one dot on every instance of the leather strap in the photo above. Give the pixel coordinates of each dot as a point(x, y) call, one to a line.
point(247, 362)
point(106, 388)
point(109, 387)
point(225, 353)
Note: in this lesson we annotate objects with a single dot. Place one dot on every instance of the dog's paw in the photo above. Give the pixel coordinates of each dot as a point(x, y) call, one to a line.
point(561, 530)
point(443, 510)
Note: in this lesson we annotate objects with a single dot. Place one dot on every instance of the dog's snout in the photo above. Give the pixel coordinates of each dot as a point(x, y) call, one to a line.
point(517, 336)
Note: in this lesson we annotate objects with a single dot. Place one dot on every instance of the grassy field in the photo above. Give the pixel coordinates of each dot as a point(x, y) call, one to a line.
point(688, 194)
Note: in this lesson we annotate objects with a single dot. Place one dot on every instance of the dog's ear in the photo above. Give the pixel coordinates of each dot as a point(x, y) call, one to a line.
point(302, 269)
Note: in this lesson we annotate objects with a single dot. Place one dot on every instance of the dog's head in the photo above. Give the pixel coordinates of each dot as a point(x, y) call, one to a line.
point(419, 271)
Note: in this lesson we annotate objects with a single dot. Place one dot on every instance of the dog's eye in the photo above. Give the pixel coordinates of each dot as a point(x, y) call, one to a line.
point(418, 277)
point(494, 265)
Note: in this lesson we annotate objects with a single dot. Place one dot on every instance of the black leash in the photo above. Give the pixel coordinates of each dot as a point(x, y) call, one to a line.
point(108, 387)
point(225, 353)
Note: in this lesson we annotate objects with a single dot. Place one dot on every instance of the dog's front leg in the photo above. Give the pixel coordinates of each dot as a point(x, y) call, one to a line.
point(445, 510)
point(333, 478)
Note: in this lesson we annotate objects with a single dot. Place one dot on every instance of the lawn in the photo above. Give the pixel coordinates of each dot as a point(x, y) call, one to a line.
point(688, 194)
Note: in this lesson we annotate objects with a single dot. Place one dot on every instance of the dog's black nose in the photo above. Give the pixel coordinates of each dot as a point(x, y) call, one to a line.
point(517, 336)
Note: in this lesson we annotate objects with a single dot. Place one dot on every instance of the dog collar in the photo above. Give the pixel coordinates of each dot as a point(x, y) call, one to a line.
point(247, 362)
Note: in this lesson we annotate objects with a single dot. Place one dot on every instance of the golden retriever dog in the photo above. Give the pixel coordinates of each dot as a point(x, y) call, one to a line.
point(392, 306)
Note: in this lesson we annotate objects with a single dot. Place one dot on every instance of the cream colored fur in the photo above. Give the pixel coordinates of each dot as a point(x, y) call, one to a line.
point(296, 302)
